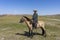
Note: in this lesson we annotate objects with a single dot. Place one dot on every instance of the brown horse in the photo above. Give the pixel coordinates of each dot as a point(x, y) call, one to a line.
point(28, 21)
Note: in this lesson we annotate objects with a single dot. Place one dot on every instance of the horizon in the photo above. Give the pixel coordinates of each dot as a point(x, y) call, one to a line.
point(16, 7)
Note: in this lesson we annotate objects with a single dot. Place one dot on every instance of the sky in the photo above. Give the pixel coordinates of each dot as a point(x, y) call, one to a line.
point(43, 7)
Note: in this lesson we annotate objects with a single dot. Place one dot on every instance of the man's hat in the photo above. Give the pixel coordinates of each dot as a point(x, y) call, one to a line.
point(35, 10)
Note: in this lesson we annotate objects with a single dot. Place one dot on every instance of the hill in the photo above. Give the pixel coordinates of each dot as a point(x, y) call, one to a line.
point(10, 26)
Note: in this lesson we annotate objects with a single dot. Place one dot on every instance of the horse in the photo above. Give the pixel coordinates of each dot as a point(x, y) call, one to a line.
point(40, 24)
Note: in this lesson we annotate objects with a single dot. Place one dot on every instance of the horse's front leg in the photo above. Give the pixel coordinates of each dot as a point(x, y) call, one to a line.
point(30, 32)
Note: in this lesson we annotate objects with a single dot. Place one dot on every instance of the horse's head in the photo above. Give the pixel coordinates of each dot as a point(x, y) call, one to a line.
point(21, 20)
point(24, 18)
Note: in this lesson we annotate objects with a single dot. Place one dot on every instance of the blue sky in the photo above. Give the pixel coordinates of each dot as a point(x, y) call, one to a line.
point(44, 7)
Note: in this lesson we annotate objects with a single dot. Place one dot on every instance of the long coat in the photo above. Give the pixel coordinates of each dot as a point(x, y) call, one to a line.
point(35, 18)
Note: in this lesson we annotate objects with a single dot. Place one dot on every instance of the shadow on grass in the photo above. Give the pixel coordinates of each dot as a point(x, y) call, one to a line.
point(27, 34)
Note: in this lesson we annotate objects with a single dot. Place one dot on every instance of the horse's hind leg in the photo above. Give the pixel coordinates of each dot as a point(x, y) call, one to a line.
point(43, 32)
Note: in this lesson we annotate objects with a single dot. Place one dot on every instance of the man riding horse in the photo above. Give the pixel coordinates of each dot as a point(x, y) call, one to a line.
point(34, 23)
point(35, 19)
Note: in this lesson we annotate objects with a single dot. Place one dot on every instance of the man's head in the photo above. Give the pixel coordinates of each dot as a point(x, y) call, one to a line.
point(34, 11)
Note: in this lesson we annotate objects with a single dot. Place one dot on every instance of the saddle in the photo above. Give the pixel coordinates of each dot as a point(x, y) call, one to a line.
point(34, 25)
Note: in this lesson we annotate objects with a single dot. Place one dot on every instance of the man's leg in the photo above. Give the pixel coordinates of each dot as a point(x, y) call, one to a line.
point(35, 25)
point(32, 24)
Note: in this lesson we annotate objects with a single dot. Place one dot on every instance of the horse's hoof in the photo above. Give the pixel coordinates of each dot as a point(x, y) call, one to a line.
point(44, 35)
point(31, 37)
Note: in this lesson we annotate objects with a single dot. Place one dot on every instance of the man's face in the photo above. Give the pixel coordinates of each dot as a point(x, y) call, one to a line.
point(35, 11)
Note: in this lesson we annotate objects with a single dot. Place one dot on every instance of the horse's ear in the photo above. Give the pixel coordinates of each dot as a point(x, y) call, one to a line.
point(23, 16)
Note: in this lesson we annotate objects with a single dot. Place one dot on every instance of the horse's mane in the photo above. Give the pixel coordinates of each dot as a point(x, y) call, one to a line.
point(27, 18)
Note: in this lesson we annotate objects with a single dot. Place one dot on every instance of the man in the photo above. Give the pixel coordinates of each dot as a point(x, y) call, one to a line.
point(35, 19)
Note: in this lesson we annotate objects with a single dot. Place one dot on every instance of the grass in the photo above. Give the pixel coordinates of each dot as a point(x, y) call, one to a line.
point(10, 26)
